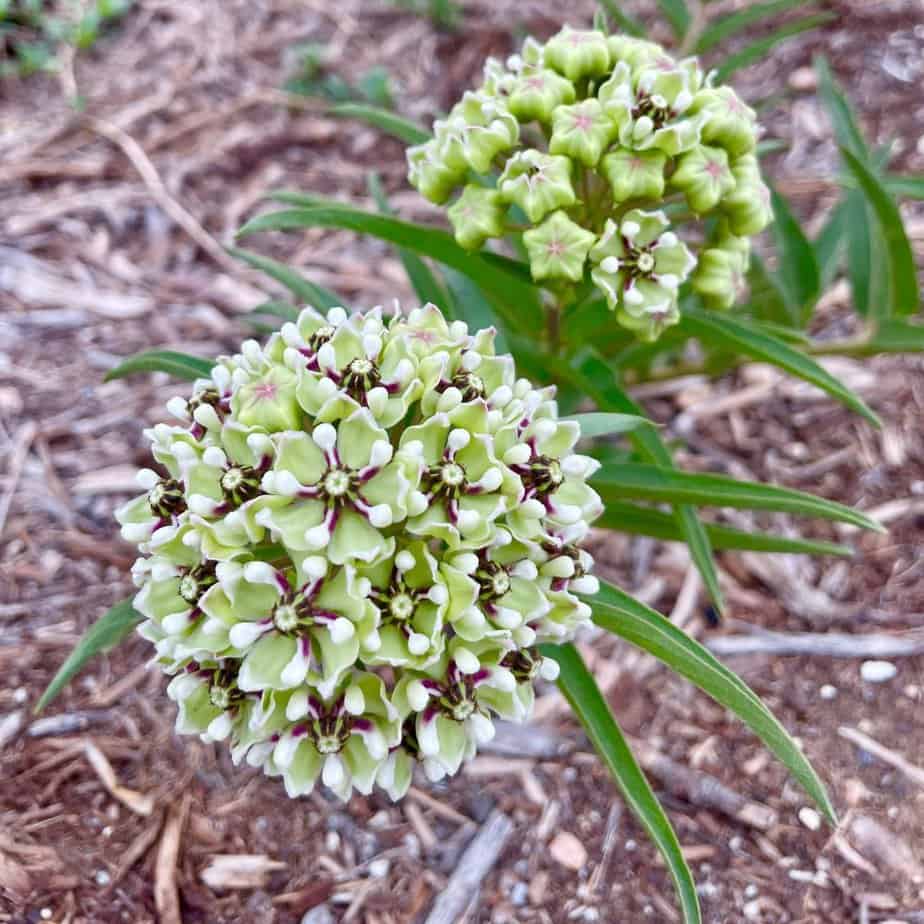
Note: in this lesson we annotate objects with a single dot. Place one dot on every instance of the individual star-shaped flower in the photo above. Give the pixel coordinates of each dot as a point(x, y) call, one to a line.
point(478, 214)
point(722, 270)
point(558, 248)
point(727, 120)
point(635, 174)
point(704, 177)
point(578, 53)
point(651, 110)
point(535, 93)
point(477, 129)
point(639, 266)
point(537, 183)
point(429, 173)
point(582, 132)
point(749, 207)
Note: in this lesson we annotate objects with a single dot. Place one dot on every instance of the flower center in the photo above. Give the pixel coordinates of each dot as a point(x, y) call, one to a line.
point(452, 474)
point(232, 479)
point(500, 583)
point(361, 367)
point(461, 711)
point(166, 498)
point(197, 581)
point(189, 589)
point(337, 483)
point(470, 384)
point(523, 664)
point(285, 617)
point(220, 697)
point(402, 607)
point(328, 744)
point(646, 262)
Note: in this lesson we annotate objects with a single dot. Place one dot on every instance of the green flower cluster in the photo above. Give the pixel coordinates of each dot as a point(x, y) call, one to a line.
point(359, 534)
point(605, 146)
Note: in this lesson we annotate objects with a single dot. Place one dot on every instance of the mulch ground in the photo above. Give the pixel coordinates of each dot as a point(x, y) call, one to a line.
point(111, 234)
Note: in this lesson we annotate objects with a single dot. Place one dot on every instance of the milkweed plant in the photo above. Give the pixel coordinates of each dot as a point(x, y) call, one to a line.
point(364, 542)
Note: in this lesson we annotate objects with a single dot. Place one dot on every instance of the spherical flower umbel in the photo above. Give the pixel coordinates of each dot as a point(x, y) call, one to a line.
point(355, 539)
point(580, 132)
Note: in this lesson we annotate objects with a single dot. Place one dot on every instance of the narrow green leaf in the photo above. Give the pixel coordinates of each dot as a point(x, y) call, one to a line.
point(736, 334)
point(604, 424)
point(844, 120)
point(620, 613)
point(895, 336)
point(303, 289)
point(903, 281)
point(798, 270)
point(581, 690)
point(622, 19)
point(757, 50)
point(499, 278)
point(470, 305)
point(829, 244)
point(671, 486)
point(905, 187)
point(769, 300)
point(729, 26)
point(421, 277)
point(389, 122)
point(276, 309)
point(648, 521)
point(601, 385)
point(677, 14)
point(104, 634)
point(179, 365)
point(861, 253)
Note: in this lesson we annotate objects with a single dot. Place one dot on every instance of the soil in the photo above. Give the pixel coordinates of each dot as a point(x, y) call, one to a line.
point(180, 107)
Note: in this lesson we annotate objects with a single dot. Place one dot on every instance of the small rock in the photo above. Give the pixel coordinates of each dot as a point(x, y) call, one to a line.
point(877, 671)
point(827, 691)
point(810, 818)
point(378, 869)
point(320, 915)
point(519, 894)
point(102, 878)
point(567, 850)
point(803, 79)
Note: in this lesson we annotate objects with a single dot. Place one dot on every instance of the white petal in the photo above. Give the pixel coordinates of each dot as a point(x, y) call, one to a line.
point(404, 560)
point(611, 264)
point(428, 737)
point(315, 566)
point(466, 661)
point(220, 727)
point(587, 584)
point(327, 357)
point(417, 644)
point(284, 752)
point(501, 396)
point(491, 480)
point(146, 478)
point(524, 636)
point(206, 416)
point(525, 569)
point(458, 439)
point(296, 670)
point(297, 706)
point(466, 562)
point(336, 316)
point(333, 773)
point(468, 520)
point(175, 622)
point(380, 516)
point(215, 457)
point(438, 594)
point(549, 670)
point(318, 536)
point(518, 454)
point(284, 483)
point(353, 700)
point(380, 453)
point(244, 634)
point(377, 400)
point(260, 572)
point(481, 727)
point(417, 695)
point(502, 679)
point(325, 436)
point(341, 629)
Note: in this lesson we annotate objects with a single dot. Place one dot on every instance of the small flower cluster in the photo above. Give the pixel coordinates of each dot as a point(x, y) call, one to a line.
point(601, 143)
point(359, 536)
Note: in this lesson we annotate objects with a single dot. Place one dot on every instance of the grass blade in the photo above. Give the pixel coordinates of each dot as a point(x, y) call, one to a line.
point(671, 486)
point(383, 119)
point(829, 245)
point(623, 615)
point(103, 635)
point(179, 365)
point(603, 424)
point(499, 278)
point(757, 50)
point(648, 521)
point(905, 187)
point(736, 334)
point(303, 289)
point(904, 298)
point(843, 119)
point(581, 690)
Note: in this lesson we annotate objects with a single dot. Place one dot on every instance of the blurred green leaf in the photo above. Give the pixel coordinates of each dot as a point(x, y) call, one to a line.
point(499, 278)
point(620, 613)
point(903, 298)
point(424, 282)
point(603, 424)
point(798, 269)
point(846, 127)
point(303, 289)
point(383, 119)
point(104, 634)
point(622, 19)
point(737, 334)
point(758, 50)
point(677, 14)
point(672, 486)
point(728, 26)
point(648, 521)
point(829, 245)
point(894, 335)
point(581, 690)
point(905, 187)
point(179, 365)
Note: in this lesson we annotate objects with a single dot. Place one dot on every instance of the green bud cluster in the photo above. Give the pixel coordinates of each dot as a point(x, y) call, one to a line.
point(357, 536)
point(588, 138)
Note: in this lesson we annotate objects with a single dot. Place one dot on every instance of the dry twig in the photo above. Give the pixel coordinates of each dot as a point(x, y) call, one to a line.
point(166, 894)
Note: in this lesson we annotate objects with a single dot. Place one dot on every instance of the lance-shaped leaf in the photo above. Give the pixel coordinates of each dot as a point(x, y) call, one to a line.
point(728, 26)
point(671, 486)
point(103, 635)
point(798, 270)
point(389, 122)
point(620, 613)
point(737, 335)
point(603, 424)
point(756, 51)
point(179, 365)
point(648, 521)
point(581, 690)
point(303, 289)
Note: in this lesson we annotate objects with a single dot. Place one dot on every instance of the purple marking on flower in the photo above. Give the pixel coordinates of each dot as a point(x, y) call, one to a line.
point(431, 685)
point(430, 713)
point(363, 725)
point(299, 730)
point(480, 675)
